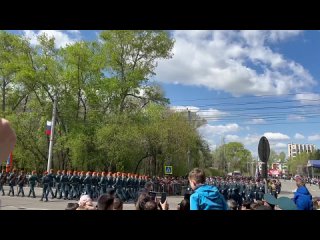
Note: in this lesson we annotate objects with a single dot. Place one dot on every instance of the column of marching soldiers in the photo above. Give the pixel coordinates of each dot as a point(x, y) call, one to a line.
point(72, 184)
point(243, 189)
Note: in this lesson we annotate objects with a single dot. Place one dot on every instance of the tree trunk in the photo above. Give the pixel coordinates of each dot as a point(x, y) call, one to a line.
point(25, 103)
point(3, 96)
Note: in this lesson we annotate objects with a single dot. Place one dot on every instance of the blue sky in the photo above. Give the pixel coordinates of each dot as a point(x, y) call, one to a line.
point(245, 83)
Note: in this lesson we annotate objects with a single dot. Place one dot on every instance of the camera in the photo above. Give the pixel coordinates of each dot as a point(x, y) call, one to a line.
point(188, 193)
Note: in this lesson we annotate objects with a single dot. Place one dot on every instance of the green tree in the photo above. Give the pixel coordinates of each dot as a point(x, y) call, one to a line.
point(233, 156)
point(131, 58)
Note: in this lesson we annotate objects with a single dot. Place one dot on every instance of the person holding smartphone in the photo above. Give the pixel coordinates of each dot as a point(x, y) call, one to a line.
point(205, 197)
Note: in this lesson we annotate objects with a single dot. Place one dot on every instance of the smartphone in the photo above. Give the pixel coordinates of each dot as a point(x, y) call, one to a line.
point(153, 195)
point(163, 197)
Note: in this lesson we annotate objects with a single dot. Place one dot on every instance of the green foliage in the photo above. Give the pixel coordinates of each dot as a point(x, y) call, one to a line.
point(232, 156)
point(213, 172)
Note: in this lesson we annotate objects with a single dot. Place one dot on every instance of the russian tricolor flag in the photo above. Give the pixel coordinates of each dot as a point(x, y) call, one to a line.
point(9, 160)
point(48, 129)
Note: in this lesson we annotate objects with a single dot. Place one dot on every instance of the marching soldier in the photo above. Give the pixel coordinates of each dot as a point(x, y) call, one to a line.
point(45, 184)
point(98, 185)
point(260, 190)
point(3, 180)
point(103, 183)
point(74, 185)
point(94, 184)
point(12, 181)
point(130, 186)
point(81, 185)
point(21, 181)
point(32, 182)
point(110, 180)
point(64, 185)
point(87, 184)
point(52, 178)
point(58, 185)
point(118, 187)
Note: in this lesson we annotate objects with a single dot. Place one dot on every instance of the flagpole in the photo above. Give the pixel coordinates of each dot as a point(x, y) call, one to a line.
point(52, 132)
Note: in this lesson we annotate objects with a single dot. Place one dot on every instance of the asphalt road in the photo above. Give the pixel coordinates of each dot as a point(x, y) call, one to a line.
point(25, 203)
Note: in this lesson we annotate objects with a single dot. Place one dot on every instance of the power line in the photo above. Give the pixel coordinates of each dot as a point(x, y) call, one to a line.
point(258, 96)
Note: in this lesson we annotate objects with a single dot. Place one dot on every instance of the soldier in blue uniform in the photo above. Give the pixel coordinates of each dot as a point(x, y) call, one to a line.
point(73, 185)
point(21, 180)
point(94, 184)
point(52, 177)
point(45, 186)
point(81, 185)
point(103, 184)
point(87, 184)
point(110, 181)
point(260, 189)
point(64, 185)
point(118, 187)
point(12, 181)
point(58, 185)
point(224, 189)
point(32, 182)
point(3, 180)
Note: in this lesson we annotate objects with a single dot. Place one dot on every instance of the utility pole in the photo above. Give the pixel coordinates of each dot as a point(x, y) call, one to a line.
point(189, 154)
point(54, 112)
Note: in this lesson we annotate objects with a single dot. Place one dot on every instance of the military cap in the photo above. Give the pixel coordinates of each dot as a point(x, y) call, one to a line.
point(286, 203)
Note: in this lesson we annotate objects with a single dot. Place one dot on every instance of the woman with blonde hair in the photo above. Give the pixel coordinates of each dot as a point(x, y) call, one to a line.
point(85, 203)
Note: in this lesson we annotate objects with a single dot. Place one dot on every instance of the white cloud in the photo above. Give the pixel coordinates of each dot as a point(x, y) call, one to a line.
point(238, 62)
point(256, 121)
point(276, 35)
point(74, 31)
point(251, 140)
point(207, 130)
point(276, 136)
point(232, 138)
point(315, 137)
point(295, 117)
point(184, 108)
point(210, 114)
point(298, 136)
point(308, 98)
point(61, 38)
point(279, 145)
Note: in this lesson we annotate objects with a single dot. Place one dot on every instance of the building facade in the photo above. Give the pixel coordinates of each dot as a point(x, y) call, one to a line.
point(295, 149)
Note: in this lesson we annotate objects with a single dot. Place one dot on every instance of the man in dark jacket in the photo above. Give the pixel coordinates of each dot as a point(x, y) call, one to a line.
point(205, 197)
point(302, 197)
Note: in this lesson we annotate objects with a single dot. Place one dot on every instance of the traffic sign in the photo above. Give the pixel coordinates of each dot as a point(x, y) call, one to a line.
point(264, 149)
point(168, 169)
